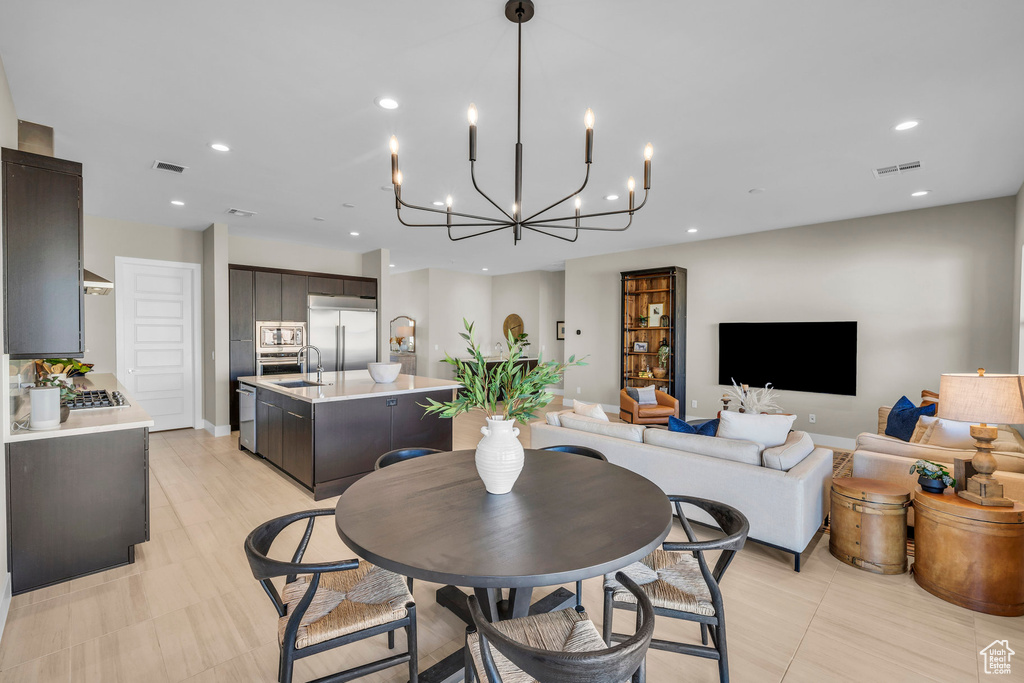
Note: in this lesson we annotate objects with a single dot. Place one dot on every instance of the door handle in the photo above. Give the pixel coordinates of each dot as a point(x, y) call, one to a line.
point(131, 371)
point(341, 348)
point(245, 393)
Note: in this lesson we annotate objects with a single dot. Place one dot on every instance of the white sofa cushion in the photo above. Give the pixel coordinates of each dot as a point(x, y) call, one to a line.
point(593, 410)
point(879, 443)
point(552, 417)
point(629, 432)
point(747, 452)
point(770, 430)
point(797, 447)
point(946, 433)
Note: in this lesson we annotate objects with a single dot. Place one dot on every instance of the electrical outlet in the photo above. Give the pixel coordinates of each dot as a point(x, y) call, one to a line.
point(693, 403)
point(579, 390)
point(812, 418)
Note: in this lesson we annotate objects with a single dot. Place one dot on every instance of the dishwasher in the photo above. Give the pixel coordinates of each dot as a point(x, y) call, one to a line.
point(246, 417)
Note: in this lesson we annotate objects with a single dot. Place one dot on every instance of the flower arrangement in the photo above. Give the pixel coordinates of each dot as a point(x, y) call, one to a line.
point(753, 400)
point(524, 391)
point(934, 471)
point(396, 343)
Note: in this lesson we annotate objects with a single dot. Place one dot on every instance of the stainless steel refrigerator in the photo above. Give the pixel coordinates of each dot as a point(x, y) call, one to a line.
point(345, 331)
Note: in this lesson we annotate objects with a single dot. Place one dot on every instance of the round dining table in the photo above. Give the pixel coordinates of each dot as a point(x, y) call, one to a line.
point(567, 518)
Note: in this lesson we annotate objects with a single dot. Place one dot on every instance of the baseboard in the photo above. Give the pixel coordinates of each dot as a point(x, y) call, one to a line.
point(556, 392)
point(217, 430)
point(827, 441)
point(5, 604)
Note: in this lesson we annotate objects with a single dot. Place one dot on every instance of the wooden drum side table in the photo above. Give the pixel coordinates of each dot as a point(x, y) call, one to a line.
point(869, 524)
point(970, 555)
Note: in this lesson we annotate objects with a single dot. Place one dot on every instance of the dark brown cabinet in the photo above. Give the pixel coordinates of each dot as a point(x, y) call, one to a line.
point(42, 252)
point(269, 427)
point(294, 300)
point(268, 296)
point(241, 319)
point(284, 433)
point(76, 505)
point(331, 286)
point(297, 428)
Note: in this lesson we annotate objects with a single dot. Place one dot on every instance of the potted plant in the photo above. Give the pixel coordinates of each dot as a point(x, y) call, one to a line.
point(663, 353)
point(499, 455)
point(642, 321)
point(932, 476)
point(67, 392)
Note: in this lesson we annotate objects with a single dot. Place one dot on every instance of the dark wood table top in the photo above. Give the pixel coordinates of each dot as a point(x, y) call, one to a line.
point(567, 518)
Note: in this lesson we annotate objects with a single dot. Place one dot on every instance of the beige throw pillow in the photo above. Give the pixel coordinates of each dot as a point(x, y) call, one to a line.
point(946, 433)
point(593, 410)
point(770, 430)
point(787, 456)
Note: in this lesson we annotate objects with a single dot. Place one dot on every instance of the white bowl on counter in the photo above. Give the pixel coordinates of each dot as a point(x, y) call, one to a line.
point(384, 373)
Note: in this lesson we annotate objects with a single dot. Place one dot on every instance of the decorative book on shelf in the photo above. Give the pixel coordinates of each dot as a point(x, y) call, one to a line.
point(654, 329)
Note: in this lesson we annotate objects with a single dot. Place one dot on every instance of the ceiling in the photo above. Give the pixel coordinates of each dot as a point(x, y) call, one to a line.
point(798, 97)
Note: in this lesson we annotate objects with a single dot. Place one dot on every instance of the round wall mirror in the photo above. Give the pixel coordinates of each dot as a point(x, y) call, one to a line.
point(403, 334)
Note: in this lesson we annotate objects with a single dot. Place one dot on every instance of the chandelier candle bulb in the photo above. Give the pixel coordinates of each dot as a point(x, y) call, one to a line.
point(472, 132)
point(631, 184)
point(578, 204)
point(648, 153)
point(394, 157)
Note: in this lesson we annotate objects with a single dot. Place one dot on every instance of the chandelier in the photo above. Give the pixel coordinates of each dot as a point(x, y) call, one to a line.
point(519, 12)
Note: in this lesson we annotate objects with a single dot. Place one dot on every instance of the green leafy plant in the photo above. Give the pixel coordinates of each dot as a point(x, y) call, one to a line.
point(67, 391)
point(933, 470)
point(525, 391)
point(663, 354)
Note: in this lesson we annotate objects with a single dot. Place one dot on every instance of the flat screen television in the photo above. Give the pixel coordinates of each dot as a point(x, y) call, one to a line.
point(817, 357)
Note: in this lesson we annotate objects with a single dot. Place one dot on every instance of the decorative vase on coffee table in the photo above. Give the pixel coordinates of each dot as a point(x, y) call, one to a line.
point(499, 455)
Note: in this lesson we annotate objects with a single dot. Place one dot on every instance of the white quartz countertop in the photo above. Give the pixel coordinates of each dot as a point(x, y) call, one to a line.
point(340, 386)
point(89, 421)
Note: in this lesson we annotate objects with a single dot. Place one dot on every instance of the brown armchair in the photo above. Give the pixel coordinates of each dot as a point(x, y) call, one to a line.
point(631, 411)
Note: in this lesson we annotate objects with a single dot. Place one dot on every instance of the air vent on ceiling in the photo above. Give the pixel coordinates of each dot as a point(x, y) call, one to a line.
point(885, 171)
point(241, 212)
point(168, 166)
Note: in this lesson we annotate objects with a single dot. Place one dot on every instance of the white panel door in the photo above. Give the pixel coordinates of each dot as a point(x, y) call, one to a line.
point(156, 355)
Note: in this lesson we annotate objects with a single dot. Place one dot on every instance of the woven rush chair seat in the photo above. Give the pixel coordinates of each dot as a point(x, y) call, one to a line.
point(564, 631)
point(345, 602)
point(672, 580)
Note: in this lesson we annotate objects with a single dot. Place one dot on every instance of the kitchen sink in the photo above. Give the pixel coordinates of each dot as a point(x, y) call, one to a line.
point(297, 384)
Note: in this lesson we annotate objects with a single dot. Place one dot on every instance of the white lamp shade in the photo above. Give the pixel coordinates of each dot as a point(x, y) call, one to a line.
point(404, 331)
point(969, 397)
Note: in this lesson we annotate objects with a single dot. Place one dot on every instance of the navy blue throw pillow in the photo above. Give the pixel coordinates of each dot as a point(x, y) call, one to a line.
point(903, 418)
point(709, 428)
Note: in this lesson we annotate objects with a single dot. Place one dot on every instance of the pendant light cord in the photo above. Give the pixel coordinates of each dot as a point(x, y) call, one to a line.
point(519, 81)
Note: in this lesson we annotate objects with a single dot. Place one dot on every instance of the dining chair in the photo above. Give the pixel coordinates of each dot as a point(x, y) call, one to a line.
point(562, 646)
point(680, 584)
point(578, 450)
point(588, 453)
point(401, 455)
point(328, 604)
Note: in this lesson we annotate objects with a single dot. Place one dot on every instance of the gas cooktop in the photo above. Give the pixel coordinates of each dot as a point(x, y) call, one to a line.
point(97, 399)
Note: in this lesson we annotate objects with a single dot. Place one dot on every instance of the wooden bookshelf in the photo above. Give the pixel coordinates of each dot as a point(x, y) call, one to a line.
point(641, 289)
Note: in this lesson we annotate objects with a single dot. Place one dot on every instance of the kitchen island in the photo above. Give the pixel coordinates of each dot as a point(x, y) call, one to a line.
point(326, 434)
point(78, 495)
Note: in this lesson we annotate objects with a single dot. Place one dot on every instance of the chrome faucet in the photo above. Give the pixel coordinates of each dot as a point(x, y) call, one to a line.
point(319, 365)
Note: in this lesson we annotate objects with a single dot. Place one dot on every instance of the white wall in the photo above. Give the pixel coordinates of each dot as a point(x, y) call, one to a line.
point(1017, 313)
point(216, 348)
point(252, 251)
point(375, 265)
point(410, 294)
point(8, 138)
point(105, 238)
point(929, 289)
point(454, 296)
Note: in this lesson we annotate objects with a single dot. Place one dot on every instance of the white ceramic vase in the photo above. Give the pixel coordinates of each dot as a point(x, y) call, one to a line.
point(499, 455)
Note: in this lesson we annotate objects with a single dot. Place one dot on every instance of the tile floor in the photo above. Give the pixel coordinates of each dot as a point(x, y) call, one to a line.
point(189, 609)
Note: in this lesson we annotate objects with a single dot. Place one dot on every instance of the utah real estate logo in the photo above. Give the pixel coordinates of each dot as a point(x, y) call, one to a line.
point(997, 657)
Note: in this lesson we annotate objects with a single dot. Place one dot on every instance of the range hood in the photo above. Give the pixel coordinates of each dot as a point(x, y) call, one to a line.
point(94, 284)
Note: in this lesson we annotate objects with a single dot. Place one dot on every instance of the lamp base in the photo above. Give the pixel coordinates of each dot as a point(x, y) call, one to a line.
point(983, 488)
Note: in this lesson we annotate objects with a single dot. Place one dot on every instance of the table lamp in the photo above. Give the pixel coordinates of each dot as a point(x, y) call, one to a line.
point(407, 332)
point(982, 398)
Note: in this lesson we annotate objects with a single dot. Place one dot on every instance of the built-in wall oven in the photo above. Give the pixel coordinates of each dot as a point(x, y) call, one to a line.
point(277, 347)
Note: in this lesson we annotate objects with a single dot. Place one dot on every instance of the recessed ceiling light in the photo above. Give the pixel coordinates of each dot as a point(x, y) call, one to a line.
point(220, 147)
point(391, 265)
point(438, 203)
point(920, 193)
point(906, 125)
point(692, 230)
point(177, 202)
point(483, 269)
point(755, 190)
point(319, 218)
point(354, 233)
point(387, 102)
point(351, 206)
point(611, 197)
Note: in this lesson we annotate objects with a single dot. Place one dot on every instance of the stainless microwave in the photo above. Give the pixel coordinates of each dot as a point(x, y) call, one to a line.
point(279, 337)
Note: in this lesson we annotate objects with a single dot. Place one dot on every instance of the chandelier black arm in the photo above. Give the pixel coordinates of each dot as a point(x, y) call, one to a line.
point(444, 212)
point(534, 226)
point(477, 234)
point(601, 213)
point(586, 179)
point(557, 237)
point(472, 174)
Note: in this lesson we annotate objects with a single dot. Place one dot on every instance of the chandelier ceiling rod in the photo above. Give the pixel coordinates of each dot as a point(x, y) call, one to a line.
point(520, 11)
